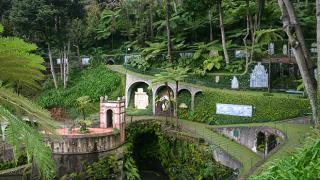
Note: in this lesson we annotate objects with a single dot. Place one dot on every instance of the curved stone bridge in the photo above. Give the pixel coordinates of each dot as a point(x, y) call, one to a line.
point(132, 80)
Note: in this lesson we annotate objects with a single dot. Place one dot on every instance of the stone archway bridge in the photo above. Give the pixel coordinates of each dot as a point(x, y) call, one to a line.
point(133, 79)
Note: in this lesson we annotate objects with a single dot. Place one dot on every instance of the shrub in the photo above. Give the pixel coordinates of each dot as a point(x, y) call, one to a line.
point(305, 164)
point(265, 108)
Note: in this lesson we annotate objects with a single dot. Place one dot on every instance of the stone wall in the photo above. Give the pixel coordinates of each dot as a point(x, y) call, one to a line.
point(6, 152)
point(225, 159)
point(74, 152)
point(69, 163)
point(86, 143)
point(247, 136)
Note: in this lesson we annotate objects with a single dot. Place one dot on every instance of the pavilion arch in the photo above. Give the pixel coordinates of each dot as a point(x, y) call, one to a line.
point(109, 119)
point(261, 141)
point(185, 92)
point(195, 97)
point(133, 87)
point(271, 142)
point(162, 89)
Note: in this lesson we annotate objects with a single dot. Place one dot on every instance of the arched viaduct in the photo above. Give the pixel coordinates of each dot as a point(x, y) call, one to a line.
point(132, 80)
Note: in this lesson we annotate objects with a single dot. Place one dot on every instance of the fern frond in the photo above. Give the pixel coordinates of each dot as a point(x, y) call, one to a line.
point(19, 134)
point(42, 117)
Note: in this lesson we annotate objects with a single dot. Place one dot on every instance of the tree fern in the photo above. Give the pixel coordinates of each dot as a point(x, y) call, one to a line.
point(18, 65)
point(19, 134)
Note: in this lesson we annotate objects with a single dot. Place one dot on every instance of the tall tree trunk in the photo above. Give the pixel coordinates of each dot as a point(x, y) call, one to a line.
point(223, 36)
point(318, 50)
point(61, 65)
point(64, 67)
point(293, 31)
point(210, 24)
point(127, 22)
point(52, 67)
point(169, 109)
point(151, 18)
point(78, 56)
point(246, 37)
point(169, 44)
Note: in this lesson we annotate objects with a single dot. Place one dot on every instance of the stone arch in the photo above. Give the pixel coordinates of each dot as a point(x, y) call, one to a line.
point(184, 98)
point(271, 142)
point(109, 119)
point(195, 99)
point(261, 142)
point(159, 106)
point(110, 61)
point(132, 87)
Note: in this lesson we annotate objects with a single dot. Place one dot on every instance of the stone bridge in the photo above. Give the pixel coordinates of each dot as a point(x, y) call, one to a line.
point(133, 80)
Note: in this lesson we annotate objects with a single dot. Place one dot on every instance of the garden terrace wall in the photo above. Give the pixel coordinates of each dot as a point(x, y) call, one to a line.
point(85, 143)
point(266, 107)
point(73, 152)
point(247, 136)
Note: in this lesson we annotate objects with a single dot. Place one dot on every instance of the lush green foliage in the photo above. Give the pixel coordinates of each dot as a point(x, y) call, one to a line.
point(18, 67)
point(21, 160)
point(93, 82)
point(18, 131)
point(181, 159)
point(107, 167)
point(304, 164)
point(265, 107)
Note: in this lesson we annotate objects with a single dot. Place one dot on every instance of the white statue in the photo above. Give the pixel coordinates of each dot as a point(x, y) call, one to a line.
point(235, 83)
point(259, 77)
point(141, 99)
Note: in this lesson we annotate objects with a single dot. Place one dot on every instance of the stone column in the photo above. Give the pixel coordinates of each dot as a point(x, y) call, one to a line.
point(154, 100)
point(192, 100)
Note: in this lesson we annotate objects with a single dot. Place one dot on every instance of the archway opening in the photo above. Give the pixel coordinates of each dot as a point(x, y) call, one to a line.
point(184, 104)
point(110, 61)
point(164, 101)
point(272, 142)
point(139, 99)
point(261, 142)
point(109, 118)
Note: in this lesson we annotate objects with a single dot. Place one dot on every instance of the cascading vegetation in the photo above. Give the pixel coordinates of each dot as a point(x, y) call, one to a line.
point(180, 159)
point(93, 82)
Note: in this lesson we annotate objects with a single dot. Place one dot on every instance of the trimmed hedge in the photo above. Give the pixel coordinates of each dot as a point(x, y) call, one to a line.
point(266, 107)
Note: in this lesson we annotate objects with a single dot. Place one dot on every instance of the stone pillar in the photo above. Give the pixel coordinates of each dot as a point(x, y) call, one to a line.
point(154, 100)
point(192, 101)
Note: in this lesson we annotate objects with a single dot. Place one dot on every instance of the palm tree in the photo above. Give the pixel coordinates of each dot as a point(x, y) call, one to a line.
point(176, 75)
point(19, 67)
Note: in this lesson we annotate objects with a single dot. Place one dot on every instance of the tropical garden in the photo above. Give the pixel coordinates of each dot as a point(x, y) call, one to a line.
point(58, 58)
